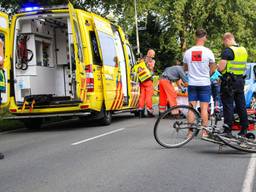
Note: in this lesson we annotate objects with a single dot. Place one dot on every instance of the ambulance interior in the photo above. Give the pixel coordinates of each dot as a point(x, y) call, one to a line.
point(44, 62)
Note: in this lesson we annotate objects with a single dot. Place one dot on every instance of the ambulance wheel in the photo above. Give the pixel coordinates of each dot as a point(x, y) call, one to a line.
point(107, 118)
point(33, 124)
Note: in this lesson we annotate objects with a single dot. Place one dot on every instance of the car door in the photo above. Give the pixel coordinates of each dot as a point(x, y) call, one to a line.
point(80, 75)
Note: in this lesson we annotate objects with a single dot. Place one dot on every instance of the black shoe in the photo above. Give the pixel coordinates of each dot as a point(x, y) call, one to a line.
point(150, 114)
point(226, 128)
point(1, 156)
point(242, 133)
point(141, 113)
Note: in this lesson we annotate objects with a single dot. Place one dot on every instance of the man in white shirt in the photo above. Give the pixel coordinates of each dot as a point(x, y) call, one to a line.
point(200, 63)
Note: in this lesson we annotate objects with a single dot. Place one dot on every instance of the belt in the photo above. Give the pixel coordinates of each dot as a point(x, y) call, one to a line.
point(165, 77)
point(235, 76)
point(240, 76)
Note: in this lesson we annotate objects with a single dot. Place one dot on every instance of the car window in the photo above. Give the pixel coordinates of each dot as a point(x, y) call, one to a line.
point(130, 55)
point(95, 49)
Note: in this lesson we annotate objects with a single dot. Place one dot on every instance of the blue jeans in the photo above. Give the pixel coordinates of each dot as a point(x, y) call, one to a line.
point(215, 87)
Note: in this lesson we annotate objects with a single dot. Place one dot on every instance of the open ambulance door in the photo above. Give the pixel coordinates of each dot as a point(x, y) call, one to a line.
point(111, 76)
point(5, 53)
point(79, 84)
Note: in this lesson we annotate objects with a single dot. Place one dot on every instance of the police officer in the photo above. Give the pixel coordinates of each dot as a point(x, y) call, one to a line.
point(2, 77)
point(233, 66)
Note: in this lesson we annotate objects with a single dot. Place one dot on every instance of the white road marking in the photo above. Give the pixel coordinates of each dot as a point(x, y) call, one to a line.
point(98, 136)
point(250, 174)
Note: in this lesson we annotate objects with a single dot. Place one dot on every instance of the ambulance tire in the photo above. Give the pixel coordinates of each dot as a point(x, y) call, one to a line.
point(33, 124)
point(107, 118)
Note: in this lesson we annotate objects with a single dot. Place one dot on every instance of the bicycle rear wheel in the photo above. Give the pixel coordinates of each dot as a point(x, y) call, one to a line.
point(239, 143)
point(172, 128)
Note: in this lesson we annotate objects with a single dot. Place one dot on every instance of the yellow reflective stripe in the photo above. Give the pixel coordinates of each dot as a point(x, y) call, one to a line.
point(2, 80)
point(237, 69)
point(237, 62)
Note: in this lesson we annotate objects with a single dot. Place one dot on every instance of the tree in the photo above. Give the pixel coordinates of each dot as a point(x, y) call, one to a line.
point(183, 17)
point(170, 25)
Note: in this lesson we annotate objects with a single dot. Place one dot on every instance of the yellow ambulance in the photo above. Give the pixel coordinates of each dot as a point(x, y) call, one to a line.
point(61, 61)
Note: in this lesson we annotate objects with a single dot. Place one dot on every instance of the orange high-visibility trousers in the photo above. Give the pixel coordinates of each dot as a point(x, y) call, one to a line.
point(167, 93)
point(146, 93)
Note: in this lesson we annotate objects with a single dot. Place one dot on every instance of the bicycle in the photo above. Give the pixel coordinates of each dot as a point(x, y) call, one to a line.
point(174, 129)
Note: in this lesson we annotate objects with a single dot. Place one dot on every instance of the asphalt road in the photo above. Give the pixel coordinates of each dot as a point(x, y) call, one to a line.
point(80, 157)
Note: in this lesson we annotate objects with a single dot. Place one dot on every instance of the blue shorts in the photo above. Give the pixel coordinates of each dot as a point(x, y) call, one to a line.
point(199, 93)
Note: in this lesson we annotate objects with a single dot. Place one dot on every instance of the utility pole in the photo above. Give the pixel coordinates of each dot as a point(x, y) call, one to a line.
point(136, 28)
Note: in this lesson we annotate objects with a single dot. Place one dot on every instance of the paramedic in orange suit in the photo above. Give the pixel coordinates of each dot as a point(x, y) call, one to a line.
point(146, 87)
point(167, 93)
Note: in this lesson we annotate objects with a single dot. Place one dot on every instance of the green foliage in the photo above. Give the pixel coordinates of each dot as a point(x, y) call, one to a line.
point(170, 25)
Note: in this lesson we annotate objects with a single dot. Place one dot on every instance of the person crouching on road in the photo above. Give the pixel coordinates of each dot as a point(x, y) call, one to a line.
point(167, 93)
point(146, 87)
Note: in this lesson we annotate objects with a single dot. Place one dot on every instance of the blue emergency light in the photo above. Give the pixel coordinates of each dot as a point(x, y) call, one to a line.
point(28, 7)
point(33, 7)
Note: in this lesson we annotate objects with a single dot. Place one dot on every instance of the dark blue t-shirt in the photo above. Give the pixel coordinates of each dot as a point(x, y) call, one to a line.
point(227, 54)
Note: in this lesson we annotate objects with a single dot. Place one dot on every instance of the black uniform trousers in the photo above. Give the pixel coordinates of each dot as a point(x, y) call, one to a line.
point(229, 96)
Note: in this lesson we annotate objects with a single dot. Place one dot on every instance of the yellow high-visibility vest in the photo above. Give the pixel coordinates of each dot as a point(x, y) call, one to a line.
point(143, 71)
point(238, 65)
point(2, 81)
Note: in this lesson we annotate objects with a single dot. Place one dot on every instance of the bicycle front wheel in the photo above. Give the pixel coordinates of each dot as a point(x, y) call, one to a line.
point(177, 126)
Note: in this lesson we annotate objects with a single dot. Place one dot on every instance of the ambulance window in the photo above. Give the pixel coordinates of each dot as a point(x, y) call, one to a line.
point(95, 49)
point(79, 43)
point(119, 46)
point(108, 49)
point(130, 55)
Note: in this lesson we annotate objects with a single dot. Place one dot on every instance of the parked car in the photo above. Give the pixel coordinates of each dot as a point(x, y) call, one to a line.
point(250, 86)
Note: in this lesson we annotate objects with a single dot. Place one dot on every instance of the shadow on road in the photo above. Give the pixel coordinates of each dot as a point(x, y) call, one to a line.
point(72, 124)
point(201, 148)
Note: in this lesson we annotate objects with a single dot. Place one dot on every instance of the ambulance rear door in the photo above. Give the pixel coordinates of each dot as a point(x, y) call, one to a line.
point(80, 75)
point(4, 38)
point(111, 76)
